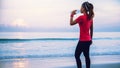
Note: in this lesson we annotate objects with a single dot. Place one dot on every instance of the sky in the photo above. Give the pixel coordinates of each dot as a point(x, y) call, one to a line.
point(54, 15)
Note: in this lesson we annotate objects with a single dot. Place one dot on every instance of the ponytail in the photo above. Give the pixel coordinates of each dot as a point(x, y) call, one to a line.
point(89, 9)
point(91, 12)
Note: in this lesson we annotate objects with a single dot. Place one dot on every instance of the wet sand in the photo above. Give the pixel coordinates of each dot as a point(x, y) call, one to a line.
point(61, 62)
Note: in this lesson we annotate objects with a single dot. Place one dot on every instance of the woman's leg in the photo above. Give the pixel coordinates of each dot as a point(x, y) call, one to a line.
point(78, 52)
point(86, 53)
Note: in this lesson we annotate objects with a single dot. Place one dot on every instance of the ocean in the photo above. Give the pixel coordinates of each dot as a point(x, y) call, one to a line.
point(54, 44)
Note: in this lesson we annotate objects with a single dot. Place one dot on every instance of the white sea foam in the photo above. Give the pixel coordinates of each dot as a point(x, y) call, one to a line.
point(29, 45)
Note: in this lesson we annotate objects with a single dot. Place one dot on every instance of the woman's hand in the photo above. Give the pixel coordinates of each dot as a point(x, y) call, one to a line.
point(72, 22)
point(73, 13)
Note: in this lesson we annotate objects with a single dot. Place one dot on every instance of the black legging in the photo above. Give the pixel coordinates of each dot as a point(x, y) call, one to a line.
point(83, 46)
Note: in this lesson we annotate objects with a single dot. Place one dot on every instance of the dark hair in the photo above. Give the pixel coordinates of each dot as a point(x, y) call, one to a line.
point(89, 9)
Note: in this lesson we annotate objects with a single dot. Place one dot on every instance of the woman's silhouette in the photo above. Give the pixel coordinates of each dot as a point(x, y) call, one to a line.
point(85, 22)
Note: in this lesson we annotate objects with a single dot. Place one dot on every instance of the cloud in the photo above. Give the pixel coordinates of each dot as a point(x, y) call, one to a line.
point(107, 12)
point(55, 14)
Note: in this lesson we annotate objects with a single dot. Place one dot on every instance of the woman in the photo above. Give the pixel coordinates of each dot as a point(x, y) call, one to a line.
point(85, 22)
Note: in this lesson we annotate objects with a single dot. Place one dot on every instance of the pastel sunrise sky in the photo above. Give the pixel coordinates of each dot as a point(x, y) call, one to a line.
point(53, 15)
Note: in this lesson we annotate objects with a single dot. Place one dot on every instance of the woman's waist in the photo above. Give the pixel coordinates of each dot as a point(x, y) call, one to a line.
point(85, 38)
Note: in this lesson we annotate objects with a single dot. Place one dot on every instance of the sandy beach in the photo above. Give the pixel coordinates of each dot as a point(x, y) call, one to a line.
point(112, 65)
point(61, 62)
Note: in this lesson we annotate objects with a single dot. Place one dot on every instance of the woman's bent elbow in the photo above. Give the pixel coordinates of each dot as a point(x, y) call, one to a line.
point(71, 24)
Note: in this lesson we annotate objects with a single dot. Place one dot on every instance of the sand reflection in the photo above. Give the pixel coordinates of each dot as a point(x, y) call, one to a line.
point(21, 63)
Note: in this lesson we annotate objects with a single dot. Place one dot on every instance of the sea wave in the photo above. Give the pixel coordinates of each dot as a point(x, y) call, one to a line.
point(34, 56)
point(37, 39)
point(53, 56)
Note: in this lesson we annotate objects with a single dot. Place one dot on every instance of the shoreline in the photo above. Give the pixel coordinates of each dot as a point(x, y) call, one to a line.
point(112, 61)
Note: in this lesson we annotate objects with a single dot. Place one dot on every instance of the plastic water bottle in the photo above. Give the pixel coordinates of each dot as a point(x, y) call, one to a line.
point(77, 11)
